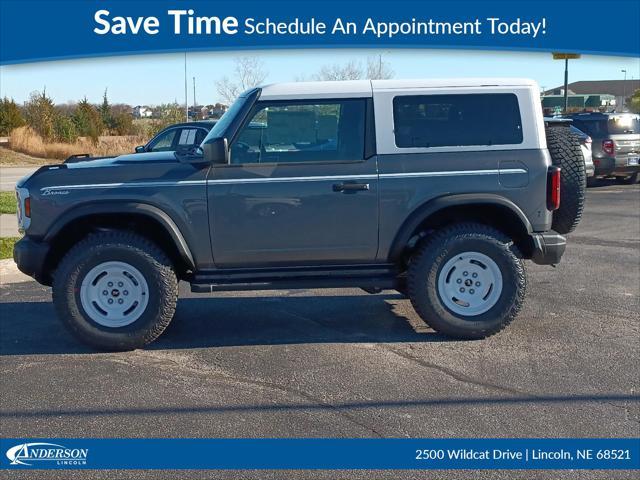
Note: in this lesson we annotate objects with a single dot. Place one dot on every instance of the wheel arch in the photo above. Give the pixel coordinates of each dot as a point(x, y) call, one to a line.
point(491, 209)
point(143, 218)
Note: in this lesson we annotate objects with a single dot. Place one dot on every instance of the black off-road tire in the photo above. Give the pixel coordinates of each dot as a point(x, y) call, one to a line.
point(564, 147)
point(445, 244)
point(134, 250)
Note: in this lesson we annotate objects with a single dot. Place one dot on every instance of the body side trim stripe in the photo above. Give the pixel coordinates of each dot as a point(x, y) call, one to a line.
point(237, 181)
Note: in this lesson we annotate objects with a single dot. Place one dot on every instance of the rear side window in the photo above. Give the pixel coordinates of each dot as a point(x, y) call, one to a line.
point(457, 120)
point(188, 136)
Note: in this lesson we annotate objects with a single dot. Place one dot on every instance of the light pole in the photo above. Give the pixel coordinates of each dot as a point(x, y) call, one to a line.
point(624, 89)
point(186, 101)
point(566, 57)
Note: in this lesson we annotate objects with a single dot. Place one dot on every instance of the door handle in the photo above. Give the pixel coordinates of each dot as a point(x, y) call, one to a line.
point(350, 187)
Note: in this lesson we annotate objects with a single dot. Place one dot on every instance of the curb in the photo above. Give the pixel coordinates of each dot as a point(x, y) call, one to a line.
point(9, 273)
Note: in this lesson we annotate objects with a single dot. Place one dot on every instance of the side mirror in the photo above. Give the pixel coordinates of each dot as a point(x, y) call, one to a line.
point(140, 149)
point(216, 151)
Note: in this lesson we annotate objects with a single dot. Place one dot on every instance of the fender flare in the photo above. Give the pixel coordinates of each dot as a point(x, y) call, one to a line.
point(110, 207)
point(424, 211)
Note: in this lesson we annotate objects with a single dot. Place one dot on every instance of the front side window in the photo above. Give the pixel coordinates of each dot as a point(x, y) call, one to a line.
point(456, 120)
point(164, 142)
point(302, 132)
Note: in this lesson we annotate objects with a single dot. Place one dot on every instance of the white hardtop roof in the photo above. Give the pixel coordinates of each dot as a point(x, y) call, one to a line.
point(365, 88)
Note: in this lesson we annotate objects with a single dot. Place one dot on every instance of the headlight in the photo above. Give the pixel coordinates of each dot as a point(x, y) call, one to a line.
point(24, 209)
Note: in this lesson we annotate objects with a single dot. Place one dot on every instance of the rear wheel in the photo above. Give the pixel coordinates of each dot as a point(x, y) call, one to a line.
point(115, 291)
point(565, 151)
point(467, 281)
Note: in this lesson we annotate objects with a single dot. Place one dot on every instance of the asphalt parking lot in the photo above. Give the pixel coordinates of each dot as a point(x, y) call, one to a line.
point(342, 363)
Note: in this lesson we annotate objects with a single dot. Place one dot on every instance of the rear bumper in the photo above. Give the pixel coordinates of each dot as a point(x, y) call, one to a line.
point(30, 257)
point(615, 166)
point(548, 248)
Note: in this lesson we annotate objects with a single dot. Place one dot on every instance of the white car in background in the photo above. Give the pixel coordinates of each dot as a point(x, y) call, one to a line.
point(585, 146)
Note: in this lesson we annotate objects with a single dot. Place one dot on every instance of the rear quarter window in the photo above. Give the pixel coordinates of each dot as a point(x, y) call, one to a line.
point(456, 120)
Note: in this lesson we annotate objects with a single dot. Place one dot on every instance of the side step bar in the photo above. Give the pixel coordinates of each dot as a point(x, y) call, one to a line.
point(379, 276)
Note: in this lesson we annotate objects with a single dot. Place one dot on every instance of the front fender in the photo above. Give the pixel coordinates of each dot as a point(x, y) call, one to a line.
point(110, 207)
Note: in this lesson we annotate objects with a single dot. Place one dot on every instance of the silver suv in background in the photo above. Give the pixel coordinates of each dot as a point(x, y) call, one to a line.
point(616, 143)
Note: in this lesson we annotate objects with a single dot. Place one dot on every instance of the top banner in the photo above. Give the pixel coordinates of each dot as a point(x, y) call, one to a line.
point(37, 30)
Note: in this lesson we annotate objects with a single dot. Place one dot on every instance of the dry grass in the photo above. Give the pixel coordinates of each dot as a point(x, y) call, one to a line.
point(9, 158)
point(25, 140)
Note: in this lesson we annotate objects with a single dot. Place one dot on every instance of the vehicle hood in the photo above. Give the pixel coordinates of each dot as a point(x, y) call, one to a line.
point(137, 161)
point(123, 159)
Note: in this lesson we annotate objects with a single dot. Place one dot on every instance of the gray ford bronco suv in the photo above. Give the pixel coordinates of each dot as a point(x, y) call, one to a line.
point(439, 189)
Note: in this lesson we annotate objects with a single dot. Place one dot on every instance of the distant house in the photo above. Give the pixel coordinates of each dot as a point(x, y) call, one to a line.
point(141, 111)
point(609, 93)
point(217, 110)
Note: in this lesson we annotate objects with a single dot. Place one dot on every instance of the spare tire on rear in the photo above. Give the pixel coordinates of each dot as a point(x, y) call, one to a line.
point(564, 147)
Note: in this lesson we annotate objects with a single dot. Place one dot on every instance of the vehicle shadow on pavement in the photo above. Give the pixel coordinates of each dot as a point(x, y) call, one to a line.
point(607, 182)
point(32, 327)
point(275, 320)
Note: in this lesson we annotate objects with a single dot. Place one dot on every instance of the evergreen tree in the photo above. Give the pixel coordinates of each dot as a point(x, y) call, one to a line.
point(10, 116)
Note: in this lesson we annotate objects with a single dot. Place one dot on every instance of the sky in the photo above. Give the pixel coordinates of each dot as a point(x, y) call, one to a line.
point(159, 78)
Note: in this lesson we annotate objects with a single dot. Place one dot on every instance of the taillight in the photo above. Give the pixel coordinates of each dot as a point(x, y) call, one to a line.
point(608, 147)
point(553, 188)
point(27, 207)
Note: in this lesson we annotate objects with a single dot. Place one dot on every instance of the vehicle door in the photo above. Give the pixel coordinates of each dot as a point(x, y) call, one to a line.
point(300, 187)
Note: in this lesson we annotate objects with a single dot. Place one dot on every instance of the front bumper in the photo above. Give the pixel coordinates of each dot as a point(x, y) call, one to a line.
point(548, 247)
point(30, 257)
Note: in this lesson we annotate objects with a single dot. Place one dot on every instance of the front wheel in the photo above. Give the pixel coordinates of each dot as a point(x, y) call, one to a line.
point(467, 281)
point(115, 291)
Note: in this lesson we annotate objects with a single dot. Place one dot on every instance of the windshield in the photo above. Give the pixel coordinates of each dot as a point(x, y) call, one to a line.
point(221, 126)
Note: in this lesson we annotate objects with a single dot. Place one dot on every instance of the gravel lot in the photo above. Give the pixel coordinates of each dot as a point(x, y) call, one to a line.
point(342, 363)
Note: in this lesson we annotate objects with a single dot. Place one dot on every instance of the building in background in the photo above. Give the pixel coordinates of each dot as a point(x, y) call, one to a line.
point(141, 111)
point(593, 94)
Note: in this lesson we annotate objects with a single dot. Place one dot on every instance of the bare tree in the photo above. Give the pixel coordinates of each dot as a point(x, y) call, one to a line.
point(378, 68)
point(249, 72)
point(352, 70)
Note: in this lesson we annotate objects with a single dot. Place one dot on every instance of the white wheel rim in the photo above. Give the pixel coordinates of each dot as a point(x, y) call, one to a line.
point(470, 284)
point(114, 294)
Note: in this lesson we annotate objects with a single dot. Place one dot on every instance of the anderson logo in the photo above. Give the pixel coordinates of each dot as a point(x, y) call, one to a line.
point(30, 453)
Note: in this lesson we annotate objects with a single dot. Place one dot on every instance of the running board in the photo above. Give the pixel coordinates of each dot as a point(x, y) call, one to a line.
point(379, 276)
